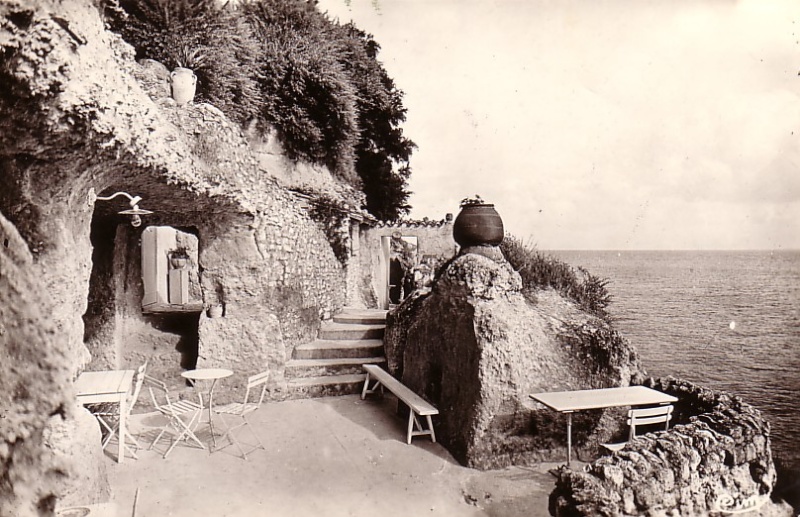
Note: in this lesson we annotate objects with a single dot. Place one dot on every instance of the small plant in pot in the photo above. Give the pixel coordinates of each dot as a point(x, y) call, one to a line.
point(478, 224)
point(179, 257)
point(472, 201)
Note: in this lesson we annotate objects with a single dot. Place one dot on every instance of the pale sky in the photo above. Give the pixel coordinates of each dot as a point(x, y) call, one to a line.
point(622, 124)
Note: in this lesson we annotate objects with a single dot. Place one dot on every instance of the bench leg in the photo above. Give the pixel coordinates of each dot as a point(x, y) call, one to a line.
point(415, 428)
point(366, 390)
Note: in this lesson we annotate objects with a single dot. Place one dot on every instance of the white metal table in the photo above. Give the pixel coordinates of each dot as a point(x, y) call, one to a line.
point(107, 386)
point(213, 375)
point(570, 401)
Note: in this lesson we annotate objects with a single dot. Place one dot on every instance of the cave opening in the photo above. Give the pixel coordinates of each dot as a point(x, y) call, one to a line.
point(143, 304)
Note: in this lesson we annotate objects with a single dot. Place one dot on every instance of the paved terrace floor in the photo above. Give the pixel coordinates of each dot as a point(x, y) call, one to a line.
point(336, 456)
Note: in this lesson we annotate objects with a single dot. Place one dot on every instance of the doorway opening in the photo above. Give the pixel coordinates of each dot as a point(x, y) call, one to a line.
point(400, 256)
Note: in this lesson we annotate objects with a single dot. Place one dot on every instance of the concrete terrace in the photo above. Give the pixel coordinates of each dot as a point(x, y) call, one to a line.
point(334, 456)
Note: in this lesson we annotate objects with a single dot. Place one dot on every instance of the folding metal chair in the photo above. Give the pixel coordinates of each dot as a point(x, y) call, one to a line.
point(108, 413)
point(242, 409)
point(182, 430)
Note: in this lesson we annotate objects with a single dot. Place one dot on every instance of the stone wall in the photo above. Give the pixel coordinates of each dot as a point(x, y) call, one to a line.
point(715, 460)
point(274, 277)
point(433, 237)
point(476, 348)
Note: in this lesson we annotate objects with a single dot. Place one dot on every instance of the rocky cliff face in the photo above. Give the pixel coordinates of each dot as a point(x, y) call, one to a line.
point(35, 362)
point(80, 117)
point(476, 348)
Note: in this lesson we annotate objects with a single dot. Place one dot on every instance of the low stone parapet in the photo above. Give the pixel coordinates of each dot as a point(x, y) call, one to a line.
point(715, 460)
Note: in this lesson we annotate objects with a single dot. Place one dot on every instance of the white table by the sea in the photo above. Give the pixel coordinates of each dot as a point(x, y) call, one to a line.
point(568, 402)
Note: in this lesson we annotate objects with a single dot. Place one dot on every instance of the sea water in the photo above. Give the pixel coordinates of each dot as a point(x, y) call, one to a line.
point(727, 320)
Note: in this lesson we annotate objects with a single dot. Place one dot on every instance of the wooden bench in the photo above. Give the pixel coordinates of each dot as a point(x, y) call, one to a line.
point(416, 404)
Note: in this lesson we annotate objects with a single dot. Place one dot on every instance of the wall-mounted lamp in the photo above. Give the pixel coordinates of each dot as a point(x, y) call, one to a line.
point(135, 212)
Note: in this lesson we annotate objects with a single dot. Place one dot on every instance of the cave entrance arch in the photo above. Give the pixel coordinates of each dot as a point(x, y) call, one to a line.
point(134, 311)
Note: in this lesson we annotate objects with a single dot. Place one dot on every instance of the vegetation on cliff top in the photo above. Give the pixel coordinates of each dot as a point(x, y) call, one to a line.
point(608, 349)
point(541, 271)
point(284, 65)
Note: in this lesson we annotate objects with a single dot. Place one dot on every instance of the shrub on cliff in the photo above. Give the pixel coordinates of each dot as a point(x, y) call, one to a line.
point(541, 271)
point(308, 95)
point(284, 65)
point(210, 39)
point(383, 151)
point(332, 101)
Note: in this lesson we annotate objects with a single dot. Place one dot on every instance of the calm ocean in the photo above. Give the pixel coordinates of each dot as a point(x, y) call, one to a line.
point(723, 319)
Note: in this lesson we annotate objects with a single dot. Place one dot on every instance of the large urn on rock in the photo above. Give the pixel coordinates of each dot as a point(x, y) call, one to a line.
point(184, 84)
point(478, 224)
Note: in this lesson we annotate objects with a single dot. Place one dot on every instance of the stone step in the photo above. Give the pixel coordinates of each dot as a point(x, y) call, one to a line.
point(361, 316)
point(325, 386)
point(339, 349)
point(349, 331)
point(297, 368)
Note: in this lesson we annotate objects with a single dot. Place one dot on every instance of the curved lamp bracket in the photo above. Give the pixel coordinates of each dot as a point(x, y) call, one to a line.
point(135, 212)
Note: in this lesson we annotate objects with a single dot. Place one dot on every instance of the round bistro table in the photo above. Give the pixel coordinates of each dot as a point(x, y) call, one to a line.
point(213, 375)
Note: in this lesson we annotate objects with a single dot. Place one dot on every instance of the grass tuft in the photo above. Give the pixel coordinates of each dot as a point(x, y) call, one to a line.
point(540, 271)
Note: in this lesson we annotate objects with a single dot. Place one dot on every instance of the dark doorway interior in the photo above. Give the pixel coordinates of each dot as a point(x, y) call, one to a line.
point(184, 325)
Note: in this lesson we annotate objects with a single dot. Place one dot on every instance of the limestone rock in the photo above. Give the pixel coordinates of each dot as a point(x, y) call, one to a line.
point(232, 342)
point(80, 118)
point(76, 441)
point(154, 78)
point(34, 374)
point(476, 348)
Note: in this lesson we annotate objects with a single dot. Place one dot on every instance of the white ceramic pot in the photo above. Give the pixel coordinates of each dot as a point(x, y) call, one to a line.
point(184, 84)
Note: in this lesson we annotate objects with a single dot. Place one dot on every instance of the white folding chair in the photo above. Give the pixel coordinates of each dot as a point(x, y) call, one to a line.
point(242, 409)
point(109, 416)
point(174, 411)
point(640, 417)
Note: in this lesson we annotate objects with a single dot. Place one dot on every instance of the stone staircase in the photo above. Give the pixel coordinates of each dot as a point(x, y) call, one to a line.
point(331, 365)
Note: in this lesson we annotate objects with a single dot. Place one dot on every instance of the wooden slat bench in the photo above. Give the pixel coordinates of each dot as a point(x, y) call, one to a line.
point(416, 404)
